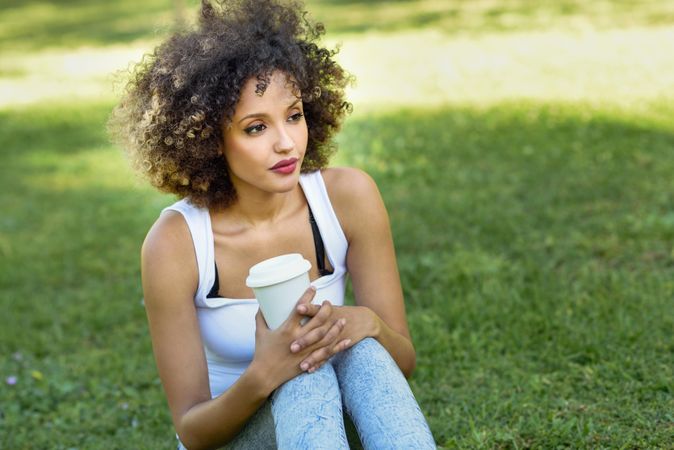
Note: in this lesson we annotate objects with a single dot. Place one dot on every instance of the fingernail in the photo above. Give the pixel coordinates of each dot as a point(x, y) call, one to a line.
point(347, 343)
point(304, 366)
point(312, 288)
point(301, 309)
point(294, 347)
point(342, 321)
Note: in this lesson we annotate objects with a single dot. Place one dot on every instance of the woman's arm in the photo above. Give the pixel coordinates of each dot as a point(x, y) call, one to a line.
point(371, 262)
point(170, 278)
point(372, 265)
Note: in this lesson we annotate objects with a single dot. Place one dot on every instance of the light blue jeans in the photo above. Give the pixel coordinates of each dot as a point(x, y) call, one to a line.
point(307, 411)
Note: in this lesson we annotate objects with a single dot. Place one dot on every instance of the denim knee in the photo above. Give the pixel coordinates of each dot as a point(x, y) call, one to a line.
point(368, 349)
point(368, 344)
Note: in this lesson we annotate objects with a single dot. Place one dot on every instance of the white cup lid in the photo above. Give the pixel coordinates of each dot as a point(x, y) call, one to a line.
point(276, 270)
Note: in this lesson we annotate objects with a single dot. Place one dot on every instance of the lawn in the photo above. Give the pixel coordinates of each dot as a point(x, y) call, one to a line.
point(525, 151)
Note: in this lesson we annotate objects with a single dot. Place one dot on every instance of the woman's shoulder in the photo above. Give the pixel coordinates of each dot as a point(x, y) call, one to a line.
point(348, 183)
point(169, 236)
point(167, 259)
point(352, 193)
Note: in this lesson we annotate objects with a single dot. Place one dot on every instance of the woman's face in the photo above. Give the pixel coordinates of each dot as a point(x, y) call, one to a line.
point(265, 143)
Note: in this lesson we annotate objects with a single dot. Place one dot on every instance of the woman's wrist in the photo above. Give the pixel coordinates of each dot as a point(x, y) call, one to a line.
point(375, 323)
point(399, 346)
point(260, 383)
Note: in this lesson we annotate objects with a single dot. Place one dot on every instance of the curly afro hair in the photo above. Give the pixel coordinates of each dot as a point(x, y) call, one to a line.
point(179, 98)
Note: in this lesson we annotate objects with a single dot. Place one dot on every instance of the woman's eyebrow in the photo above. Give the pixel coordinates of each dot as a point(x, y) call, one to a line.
point(248, 116)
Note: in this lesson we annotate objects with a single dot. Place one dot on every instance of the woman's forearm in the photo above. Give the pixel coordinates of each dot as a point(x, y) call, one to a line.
point(215, 422)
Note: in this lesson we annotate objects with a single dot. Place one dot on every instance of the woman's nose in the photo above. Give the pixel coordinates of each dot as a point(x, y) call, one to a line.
point(284, 142)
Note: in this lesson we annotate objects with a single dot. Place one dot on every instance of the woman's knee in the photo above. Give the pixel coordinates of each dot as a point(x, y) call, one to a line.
point(369, 348)
point(370, 344)
point(366, 352)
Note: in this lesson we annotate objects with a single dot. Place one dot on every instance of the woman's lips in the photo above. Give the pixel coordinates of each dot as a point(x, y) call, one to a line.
point(285, 166)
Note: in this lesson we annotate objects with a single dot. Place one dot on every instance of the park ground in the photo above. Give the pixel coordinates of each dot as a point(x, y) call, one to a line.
point(525, 151)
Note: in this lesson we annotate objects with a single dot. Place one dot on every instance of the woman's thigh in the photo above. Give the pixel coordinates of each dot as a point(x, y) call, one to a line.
point(258, 433)
point(305, 412)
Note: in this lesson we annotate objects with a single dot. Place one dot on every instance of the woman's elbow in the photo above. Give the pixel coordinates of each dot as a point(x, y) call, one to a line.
point(189, 438)
point(409, 367)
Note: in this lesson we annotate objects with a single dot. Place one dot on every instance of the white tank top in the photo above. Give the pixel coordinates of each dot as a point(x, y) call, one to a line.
point(228, 324)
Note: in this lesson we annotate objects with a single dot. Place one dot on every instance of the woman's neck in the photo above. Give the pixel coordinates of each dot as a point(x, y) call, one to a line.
point(256, 208)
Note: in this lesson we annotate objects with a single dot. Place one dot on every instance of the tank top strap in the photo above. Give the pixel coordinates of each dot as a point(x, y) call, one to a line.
point(331, 231)
point(199, 223)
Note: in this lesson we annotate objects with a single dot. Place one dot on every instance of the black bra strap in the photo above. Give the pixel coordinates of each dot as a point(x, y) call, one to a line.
point(320, 257)
point(318, 244)
point(216, 285)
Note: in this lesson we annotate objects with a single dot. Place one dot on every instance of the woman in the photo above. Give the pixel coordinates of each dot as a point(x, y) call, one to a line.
point(236, 118)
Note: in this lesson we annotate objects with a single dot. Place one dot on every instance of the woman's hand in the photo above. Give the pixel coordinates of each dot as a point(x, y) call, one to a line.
point(273, 355)
point(359, 322)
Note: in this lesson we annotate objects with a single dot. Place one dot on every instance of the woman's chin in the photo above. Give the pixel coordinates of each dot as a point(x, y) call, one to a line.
point(289, 183)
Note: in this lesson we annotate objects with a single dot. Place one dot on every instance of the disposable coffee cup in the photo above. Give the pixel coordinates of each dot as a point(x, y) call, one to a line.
point(278, 284)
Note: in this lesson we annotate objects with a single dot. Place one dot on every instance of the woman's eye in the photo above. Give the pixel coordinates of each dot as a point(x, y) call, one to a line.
point(295, 117)
point(255, 129)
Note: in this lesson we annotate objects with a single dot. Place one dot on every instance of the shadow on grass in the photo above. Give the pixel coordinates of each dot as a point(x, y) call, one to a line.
point(508, 179)
point(491, 175)
point(531, 239)
point(54, 129)
point(32, 25)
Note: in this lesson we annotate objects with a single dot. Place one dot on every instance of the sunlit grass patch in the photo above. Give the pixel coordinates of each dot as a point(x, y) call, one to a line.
point(67, 75)
point(427, 68)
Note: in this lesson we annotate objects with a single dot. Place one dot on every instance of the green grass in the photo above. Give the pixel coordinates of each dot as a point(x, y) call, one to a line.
point(69, 281)
point(530, 183)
